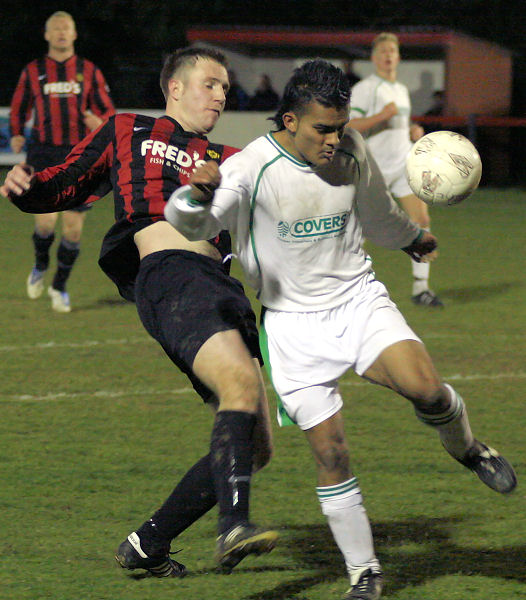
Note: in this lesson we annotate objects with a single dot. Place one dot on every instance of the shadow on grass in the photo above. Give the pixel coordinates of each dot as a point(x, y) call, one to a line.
point(476, 292)
point(103, 303)
point(431, 555)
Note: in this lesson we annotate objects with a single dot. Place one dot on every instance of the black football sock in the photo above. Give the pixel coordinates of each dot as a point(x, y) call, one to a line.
point(67, 254)
point(193, 497)
point(42, 246)
point(232, 450)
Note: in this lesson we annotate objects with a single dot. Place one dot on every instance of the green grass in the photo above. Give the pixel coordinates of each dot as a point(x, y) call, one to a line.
point(97, 425)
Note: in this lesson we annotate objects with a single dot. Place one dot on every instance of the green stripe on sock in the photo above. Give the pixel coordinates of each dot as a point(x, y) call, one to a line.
point(338, 489)
point(455, 410)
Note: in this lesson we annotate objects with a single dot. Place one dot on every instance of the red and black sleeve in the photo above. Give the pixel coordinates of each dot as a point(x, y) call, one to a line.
point(82, 179)
point(100, 101)
point(21, 105)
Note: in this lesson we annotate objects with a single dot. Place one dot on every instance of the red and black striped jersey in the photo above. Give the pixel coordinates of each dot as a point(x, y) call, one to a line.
point(143, 160)
point(59, 93)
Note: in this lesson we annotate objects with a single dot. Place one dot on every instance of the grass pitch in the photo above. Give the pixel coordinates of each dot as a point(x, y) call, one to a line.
point(97, 426)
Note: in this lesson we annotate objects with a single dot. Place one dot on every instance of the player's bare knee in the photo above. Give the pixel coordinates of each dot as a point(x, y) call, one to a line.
point(428, 397)
point(240, 389)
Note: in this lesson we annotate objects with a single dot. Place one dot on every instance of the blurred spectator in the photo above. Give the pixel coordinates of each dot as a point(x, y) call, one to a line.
point(237, 98)
point(265, 97)
point(437, 106)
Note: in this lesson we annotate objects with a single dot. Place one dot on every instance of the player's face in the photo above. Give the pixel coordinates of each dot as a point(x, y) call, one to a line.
point(61, 34)
point(200, 95)
point(386, 57)
point(316, 132)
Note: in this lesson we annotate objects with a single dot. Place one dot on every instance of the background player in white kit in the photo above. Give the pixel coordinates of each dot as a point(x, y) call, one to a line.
point(381, 111)
point(298, 201)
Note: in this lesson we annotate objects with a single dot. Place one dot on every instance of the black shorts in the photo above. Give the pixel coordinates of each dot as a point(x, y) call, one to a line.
point(40, 156)
point(184, 298)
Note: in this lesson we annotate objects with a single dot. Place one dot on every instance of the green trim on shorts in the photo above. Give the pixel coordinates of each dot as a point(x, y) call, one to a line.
point(282, 416)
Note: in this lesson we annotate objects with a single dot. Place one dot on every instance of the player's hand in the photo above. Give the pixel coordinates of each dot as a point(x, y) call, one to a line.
point(389, 110)
point(17, 180)
point(17, 143)
point(424, 248)
point(91, 120)
point(204, 181)
point(416, 132)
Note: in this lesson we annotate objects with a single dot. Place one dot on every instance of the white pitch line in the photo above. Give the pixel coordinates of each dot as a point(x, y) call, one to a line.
point(142, 340)
point(151, 392)
point(85, 344)
point(95, 394)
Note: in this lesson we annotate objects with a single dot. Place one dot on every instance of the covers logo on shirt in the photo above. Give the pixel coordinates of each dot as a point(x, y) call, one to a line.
point(313, 228)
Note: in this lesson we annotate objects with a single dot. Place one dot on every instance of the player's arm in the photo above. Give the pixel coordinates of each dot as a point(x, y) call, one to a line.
point(189, 207)
point(100, 104)
point(83, 177)
point(383, 221)
point(422, 248)
point(362, 123)
point(17, 180)
point(213, 200)
point(416, 131)
point(20, 111)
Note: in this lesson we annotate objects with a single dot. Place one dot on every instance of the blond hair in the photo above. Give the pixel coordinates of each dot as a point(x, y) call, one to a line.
point(385, 37)
point(60, 14)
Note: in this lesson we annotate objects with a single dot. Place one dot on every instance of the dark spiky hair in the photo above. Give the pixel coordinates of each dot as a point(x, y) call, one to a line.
point(316, 80)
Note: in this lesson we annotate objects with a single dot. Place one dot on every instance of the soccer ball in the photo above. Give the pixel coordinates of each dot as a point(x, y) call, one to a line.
point(443, 168)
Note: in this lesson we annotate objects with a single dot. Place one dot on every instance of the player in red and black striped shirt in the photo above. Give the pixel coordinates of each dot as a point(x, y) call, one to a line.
point(67, 97)
point(184, 296)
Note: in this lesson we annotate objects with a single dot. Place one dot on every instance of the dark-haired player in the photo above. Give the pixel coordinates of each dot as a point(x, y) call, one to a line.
point(68, 98)
point(185, 297)
point(298, 200)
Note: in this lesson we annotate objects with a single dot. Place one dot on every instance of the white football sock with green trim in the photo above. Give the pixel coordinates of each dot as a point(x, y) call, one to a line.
point(342, 505)
point(420, 274)
point(452, 425)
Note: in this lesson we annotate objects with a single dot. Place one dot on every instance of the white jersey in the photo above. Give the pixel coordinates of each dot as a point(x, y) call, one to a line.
point(298, 231)
point(389, 142)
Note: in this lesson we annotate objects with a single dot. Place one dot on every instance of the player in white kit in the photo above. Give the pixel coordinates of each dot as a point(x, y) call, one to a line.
point(381, 111)
point(298, 201)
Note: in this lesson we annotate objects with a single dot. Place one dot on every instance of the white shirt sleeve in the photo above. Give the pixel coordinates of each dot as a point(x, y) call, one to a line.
point(202, 221)
point(383, 221)
point(193, 219)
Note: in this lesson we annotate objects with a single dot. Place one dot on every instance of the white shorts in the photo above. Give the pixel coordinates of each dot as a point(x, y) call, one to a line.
point(397, 184)
point(309, 351)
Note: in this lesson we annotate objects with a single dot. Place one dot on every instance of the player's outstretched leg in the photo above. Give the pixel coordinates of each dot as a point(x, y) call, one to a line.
point(455, 434)
point(154, 559)
point(242, 540)
point(490, 467)
point(365, 585)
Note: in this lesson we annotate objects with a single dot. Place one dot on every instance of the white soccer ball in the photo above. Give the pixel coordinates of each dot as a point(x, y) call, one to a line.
point(443, 167)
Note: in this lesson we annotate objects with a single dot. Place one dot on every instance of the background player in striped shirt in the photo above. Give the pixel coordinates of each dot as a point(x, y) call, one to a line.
point(68, 97)
point(381, 111)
